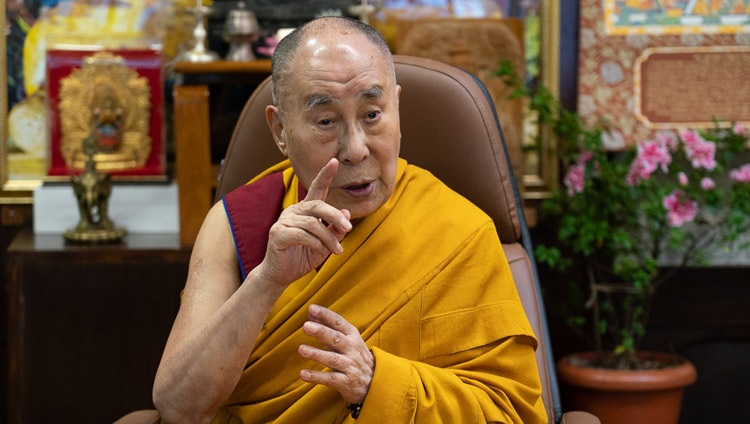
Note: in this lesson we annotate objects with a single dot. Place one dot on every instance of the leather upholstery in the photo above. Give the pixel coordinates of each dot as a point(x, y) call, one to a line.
point(144, 416)
point(579, 417)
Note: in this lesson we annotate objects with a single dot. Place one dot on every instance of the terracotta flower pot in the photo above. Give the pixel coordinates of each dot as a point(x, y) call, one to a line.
point(626, 396)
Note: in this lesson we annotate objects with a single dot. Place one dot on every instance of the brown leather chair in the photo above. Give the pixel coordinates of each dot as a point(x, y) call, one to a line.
point(448, 126)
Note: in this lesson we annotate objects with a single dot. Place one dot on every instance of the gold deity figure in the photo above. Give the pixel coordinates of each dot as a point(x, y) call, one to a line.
point(106, 117)
point(92, 191)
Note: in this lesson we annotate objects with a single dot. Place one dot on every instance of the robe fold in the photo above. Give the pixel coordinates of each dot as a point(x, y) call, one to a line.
point(425, 281)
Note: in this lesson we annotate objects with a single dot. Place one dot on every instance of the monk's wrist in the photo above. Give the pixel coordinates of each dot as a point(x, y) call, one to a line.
point(355, 409)
point(268, 286)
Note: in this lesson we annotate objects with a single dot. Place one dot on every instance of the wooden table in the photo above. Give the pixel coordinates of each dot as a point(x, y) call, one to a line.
point(88, 324)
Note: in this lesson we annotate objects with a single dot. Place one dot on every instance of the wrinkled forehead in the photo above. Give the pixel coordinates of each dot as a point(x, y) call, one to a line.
point(338, 50)
point(324, 67)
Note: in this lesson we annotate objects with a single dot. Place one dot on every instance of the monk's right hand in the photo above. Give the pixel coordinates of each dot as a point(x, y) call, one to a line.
point(306, 233)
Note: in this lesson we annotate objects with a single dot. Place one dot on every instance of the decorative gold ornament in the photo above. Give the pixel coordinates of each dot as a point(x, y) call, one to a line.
point(107, 100)
point(92, 191)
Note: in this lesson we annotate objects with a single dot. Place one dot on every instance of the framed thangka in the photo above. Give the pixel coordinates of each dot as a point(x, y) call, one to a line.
point(32, 27)
point(646, 66)
point(115, 95)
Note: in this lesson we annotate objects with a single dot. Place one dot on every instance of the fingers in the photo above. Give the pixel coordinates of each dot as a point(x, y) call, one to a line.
point(330, 319)
point(322, 212)
point(351, 378)
point(314, 203)
point(318, 189)
point(309, 231)
point(315, 237)
point(332, 360)
point(351, 362)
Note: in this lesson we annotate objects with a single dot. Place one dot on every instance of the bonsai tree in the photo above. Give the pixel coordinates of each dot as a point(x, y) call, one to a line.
point(620, 217)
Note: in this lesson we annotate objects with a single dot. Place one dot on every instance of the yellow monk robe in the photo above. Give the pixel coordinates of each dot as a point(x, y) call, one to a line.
point(426, 282)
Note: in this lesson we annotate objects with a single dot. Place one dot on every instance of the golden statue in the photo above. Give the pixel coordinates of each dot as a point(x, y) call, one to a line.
point(92, 191)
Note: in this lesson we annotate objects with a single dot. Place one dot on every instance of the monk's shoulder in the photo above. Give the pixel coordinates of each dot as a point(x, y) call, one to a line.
point(442, 203)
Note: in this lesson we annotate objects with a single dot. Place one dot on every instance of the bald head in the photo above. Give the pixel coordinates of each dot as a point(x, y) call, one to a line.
point(334, 27)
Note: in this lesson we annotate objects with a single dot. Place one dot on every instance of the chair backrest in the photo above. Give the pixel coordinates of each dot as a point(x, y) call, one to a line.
point(477, 45)
point(449, 127)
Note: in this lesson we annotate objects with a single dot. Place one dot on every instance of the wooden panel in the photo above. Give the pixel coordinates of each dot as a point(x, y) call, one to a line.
point(14, 217)
point(88, 324)
point(207, 102)
point(261, 66)
point(193, 158)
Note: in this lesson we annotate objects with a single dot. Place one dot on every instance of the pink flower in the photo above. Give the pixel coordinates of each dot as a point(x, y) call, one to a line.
point(679, 211)
point(651, 155)
point(668, 139)
point(574, 179)
point(741, 174)
point(637, 172)
point(682, 178)
point(655, 153)
point(584, 157)
point(739, 128)
point(690, 137)
point(699, 151)
point(707, 183)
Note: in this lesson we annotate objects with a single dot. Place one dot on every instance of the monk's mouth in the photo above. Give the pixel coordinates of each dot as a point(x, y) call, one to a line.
point(360, 190)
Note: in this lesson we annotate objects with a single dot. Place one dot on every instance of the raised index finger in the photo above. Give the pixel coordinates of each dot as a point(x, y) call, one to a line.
point(319, 187)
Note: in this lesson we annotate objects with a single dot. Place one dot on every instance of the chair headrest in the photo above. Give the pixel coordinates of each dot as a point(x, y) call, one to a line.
point(448, 126)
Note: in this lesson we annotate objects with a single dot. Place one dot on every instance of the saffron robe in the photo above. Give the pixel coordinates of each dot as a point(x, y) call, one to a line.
point(426, 282)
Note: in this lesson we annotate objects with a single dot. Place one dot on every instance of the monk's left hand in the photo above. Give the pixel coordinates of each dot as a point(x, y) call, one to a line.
point(350, 360)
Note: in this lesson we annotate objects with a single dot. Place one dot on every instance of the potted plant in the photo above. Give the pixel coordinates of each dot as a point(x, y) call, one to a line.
point(617, 220)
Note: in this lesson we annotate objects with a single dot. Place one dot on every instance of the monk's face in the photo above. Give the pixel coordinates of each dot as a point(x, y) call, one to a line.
point(342, 102)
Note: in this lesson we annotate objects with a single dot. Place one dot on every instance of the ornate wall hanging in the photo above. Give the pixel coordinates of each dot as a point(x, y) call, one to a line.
point(116, 94)
point(112, 101)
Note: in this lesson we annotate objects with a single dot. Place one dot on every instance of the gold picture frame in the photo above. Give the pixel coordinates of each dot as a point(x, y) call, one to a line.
point(541, 176)
point(17, 191)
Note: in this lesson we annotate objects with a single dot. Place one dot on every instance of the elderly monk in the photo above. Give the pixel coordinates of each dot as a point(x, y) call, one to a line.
point(344, 283)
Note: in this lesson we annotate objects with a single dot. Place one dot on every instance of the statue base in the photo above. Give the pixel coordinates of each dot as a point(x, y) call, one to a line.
point(95, 235)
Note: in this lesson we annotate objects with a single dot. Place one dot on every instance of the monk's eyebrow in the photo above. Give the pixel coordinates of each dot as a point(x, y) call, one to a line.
point(316, 100)
point(374, 92)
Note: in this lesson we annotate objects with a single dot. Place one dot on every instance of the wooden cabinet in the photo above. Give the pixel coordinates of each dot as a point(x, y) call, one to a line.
point(87, 325)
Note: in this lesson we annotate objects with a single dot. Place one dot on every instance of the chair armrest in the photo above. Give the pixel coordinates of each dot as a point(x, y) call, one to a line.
point(579, 417)
point(145, 416)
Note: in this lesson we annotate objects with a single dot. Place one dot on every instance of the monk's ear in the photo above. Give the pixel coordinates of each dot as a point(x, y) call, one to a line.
point(276, 125)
